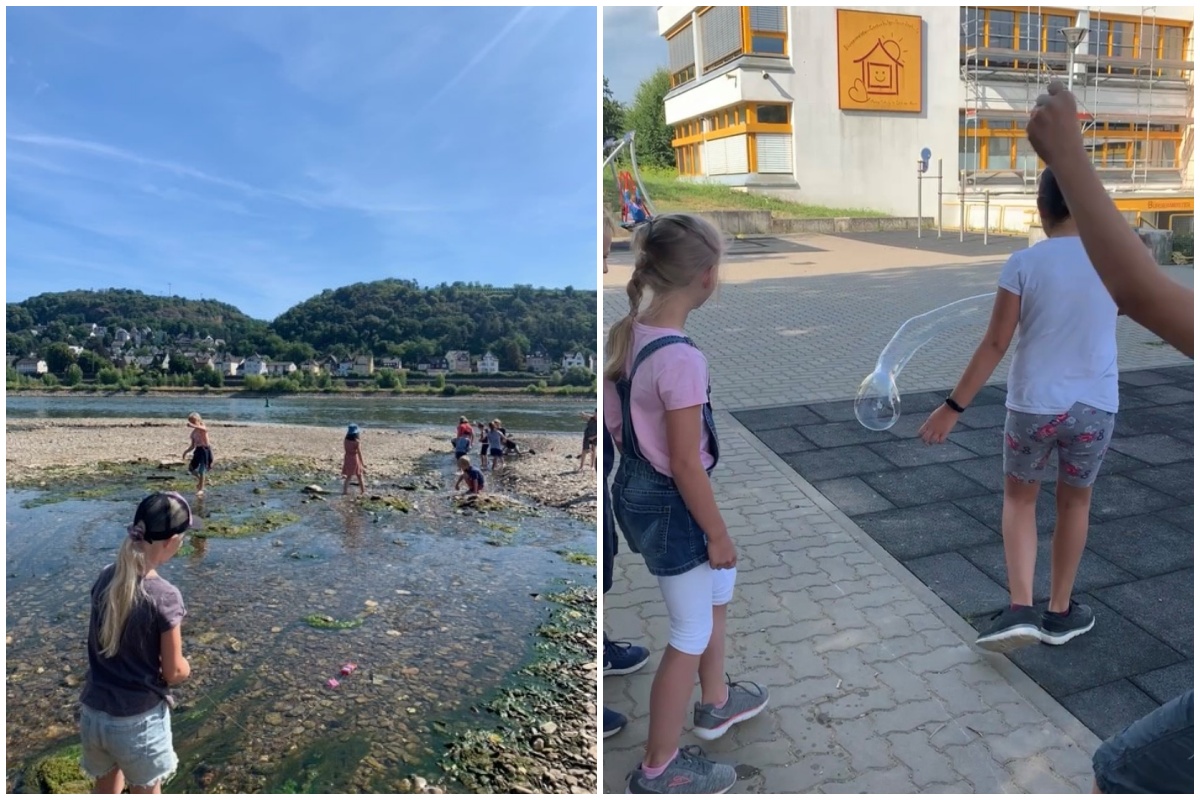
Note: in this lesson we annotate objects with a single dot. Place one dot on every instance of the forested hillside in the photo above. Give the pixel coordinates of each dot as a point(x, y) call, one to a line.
point(390, 317)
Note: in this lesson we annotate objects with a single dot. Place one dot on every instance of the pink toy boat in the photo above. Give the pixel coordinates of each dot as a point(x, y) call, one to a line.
point(333, 683)
point(348, 668)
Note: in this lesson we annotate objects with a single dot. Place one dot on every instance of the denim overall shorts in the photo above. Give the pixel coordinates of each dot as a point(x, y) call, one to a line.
point(647, 504)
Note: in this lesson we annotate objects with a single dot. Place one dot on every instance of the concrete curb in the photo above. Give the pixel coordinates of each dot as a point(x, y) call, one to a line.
point(1022, 683)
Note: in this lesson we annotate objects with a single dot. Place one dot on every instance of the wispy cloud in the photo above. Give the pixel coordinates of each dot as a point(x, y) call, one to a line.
point(307, 199)
point(479, 56)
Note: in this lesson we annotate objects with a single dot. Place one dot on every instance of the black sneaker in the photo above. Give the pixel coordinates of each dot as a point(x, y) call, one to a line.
point(1011, 629)
point(1062, 628)
point(614, 722)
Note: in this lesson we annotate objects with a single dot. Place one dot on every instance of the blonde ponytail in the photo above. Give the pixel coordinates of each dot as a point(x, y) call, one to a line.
point(669, 252)
point(123, 593)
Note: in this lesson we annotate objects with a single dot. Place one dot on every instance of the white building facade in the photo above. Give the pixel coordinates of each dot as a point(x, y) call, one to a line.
point(838, 106)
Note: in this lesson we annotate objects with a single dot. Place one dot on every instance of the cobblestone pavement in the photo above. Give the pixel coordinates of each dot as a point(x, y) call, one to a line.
point(874, 687)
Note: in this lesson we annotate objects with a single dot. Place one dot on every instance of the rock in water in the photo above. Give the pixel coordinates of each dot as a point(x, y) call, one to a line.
point(313, 489)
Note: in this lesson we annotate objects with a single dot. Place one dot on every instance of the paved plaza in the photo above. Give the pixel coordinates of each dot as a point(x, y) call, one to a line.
point(874, 684)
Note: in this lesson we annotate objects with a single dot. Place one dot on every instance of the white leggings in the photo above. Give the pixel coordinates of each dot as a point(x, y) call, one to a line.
point(690, 598)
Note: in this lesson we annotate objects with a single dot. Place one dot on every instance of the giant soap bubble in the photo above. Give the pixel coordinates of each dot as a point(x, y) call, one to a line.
point(877, 404)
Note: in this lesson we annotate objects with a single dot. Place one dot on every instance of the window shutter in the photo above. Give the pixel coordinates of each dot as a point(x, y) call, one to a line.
point(774, 153)
point(768, 18)
point(681, 50)
point(720, 33)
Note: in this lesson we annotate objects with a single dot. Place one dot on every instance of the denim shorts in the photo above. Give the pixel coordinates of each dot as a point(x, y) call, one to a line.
point(139, 745)
point(1079, 437)
point(655, 520)
point(1154, 755)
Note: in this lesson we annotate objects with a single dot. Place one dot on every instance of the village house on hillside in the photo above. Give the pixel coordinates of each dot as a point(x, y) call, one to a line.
point(489, 364)
point(254, 365)
point(389, 362)
point(577, 359)
point(311, 366)
point(32, 366)
point(539, 361)
point(227, 365)
point(459, 361)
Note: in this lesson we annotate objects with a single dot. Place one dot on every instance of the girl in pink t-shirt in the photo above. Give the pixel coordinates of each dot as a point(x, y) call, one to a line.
point(657, 409)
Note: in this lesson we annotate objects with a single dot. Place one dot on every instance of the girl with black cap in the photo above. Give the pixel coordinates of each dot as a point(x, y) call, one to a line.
point(135, 653)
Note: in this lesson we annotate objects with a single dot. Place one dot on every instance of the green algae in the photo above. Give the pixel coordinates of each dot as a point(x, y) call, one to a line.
point(259, 523)
point(58, 773)
point(328, 623)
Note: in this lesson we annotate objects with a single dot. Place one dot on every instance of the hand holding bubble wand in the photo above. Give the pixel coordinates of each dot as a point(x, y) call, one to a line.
point(877, 405)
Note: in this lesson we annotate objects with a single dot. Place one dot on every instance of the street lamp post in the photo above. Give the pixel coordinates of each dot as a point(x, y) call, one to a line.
point(1073, 36)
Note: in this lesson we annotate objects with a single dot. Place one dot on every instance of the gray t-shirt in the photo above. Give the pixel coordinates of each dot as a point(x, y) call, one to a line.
point(495, 439)
point(131, 683)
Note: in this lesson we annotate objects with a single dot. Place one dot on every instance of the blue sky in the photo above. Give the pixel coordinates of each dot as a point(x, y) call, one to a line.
point(632, 48)
point(259, 156)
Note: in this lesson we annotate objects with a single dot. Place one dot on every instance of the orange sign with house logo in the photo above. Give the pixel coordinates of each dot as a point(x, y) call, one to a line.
point(879, 61)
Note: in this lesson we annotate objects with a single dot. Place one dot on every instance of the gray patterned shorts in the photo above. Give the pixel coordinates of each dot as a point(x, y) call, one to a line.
point(1080, 436)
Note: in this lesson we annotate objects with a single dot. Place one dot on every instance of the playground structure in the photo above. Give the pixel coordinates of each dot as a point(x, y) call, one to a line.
point(636, 208)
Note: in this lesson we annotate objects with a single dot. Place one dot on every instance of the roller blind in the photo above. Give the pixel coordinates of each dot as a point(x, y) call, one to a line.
point(720, 33)
point(681, 50)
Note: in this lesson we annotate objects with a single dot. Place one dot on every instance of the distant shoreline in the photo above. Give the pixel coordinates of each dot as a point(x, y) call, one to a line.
point(356, 394)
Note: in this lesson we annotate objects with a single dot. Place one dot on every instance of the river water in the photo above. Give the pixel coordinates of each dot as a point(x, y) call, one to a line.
point(540, 415)
point(443, 605)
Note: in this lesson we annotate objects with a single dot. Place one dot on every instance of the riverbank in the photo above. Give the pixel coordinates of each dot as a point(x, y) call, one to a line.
point(572, 393)
point(37, 449)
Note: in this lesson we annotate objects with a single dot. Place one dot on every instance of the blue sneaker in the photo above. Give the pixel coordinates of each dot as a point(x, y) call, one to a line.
point(614, 722)
point(622, 658)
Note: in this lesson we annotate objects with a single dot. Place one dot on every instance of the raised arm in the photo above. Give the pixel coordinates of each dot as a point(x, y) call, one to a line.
point(1141, 289)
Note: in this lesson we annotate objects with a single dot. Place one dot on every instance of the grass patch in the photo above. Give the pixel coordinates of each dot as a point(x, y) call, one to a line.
point(668, 193)
point(263, 522)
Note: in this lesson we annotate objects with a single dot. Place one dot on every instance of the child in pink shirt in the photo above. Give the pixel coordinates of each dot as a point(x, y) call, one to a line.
point(657, 409)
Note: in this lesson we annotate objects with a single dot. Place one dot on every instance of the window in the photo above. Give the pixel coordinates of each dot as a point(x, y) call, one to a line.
point(681, 56)
point(999, 29)
point(1098, 37)
point(1055, 41)
point(720, 35)
point(767, 29)
point(741, 139)
point(773, 114)
point(1001, 146)
point(970, 20)
point(1029, 37)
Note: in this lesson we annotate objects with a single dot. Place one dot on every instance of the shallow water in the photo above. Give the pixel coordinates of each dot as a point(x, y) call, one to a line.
point(531, 415)
point(447, 615)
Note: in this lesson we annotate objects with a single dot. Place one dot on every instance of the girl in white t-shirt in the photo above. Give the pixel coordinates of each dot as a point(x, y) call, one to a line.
point(1062, 403)
point(657, 409)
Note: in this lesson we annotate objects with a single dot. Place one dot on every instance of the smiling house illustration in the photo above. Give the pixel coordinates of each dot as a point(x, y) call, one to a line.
point(881, 68)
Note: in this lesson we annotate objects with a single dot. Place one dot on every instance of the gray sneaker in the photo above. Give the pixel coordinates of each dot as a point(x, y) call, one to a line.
point(746, 699)
point(1010, 629)
point(689, 773)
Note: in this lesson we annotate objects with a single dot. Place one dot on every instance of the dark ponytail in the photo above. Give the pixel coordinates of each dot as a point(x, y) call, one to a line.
point(1050, 201)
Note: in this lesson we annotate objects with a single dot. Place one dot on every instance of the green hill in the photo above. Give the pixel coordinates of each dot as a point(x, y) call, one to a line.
point(389, 317)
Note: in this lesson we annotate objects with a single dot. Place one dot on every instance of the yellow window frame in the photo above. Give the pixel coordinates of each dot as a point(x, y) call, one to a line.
point(748, 34)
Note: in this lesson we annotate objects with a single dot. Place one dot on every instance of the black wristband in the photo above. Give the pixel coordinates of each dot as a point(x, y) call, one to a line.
point(954, 406)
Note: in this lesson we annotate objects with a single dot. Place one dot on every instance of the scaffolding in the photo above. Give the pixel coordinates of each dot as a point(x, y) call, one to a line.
point(1098, 74)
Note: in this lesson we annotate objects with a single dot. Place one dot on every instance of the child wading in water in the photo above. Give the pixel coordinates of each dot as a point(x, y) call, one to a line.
point(352, 462)
point(589, 441)
point(495, 443)
point(471, 475)
point(201, 451)
point(1062, 403)
point(135, 653)
point(656, 407)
